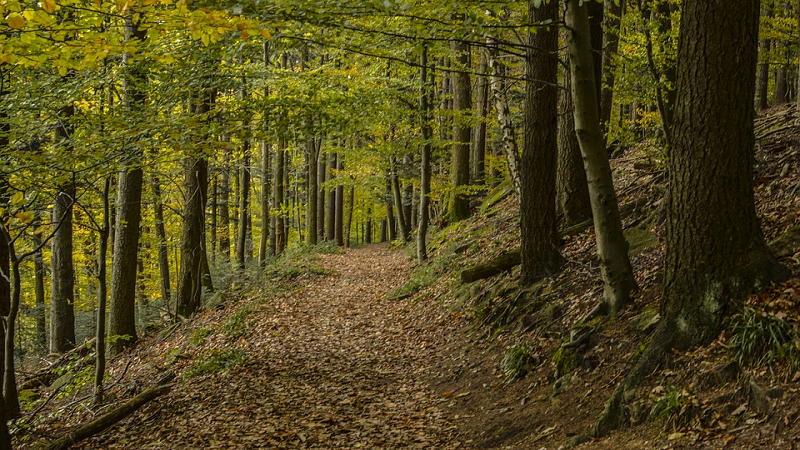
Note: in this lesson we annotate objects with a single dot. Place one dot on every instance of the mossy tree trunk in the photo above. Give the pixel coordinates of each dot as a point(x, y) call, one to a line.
point(458, 204)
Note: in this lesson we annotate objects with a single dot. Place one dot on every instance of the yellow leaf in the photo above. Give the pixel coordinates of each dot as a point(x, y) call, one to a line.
point(41, 229)
point(49, 6)
point(25, 217)
point(204, 39)
point(62, 70)
point(265, 33)
point(16, 21)
point(17, 199)
point(244, 35)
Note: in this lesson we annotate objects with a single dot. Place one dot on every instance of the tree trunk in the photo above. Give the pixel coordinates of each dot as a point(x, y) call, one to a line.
point(612, 249)
point(312, 159)
point(322, 171)
point(100, 337)
point(62, 298)
point(478, 156)
point(266, 187)
point(402, 218)
point(498, 87)
point(242, 252)
point(611, 18)
point(425, 171)
point(389, 196)
point(350, 208)
point(122, 320)
point(224, 230)
point(191, 273)
point(572, 192)
point(458, 205)
point(278, 201)
point(38, 262)
point(715, 251)
point(539, 245)
point(339, 225)
point(781, 92)
point(161, 238)
point(330, 226)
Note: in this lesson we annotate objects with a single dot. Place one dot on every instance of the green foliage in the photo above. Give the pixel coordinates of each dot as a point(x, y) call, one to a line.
point(516, 362)
point(758, 339)
point(199, 336)
point(676, 407)
point(237, 325)
point(299, 261)
point(215, 361)
point(421, 278)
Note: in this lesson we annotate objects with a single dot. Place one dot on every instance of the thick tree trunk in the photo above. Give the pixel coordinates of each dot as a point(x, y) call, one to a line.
point(539, 246)
point(161, 238)
point(425, 164)
point(612, 249)
point(62, 299)
point(715, 251)
point(190, 287)
point(572, 191)
point(122, 321)
point(458, 204)
point(509, 137)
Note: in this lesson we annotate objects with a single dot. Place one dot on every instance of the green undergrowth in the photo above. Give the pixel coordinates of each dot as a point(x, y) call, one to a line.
point(759, 339)
point(216, 360)
point(299, 261)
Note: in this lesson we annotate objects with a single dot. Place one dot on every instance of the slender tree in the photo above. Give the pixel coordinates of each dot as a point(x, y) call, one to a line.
point(612, 249)
point(425, 172)
point(458, 204)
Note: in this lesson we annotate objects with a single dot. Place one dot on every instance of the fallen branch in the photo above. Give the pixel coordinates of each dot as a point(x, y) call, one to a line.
point(106, 420)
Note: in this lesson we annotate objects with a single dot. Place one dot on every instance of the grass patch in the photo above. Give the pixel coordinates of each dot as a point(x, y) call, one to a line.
point(516, 362)
point(199, 336)
point(421, 278)
point(758, 339)
point(675, 407)
point(237, 325)
point(217, 361)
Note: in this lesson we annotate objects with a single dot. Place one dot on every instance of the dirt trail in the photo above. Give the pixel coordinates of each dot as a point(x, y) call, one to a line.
point(331, 365)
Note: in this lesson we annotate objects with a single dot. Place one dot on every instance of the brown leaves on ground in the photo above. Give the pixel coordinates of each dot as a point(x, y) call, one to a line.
point(331, 365)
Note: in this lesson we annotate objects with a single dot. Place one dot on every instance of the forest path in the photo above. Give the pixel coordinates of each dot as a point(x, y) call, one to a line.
point(331, 365)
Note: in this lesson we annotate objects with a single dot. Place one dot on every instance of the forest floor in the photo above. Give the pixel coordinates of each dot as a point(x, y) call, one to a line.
point(332, 364)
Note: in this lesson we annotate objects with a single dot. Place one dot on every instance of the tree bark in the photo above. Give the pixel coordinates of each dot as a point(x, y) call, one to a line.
point(312, 159)
point(39, 292)
point(122, 320)
point(224, 231)
point(612, 249)
point(100, 336)
point(498, 88)
point(62, 298)
point(161, 237)
point(191, 271)
point(330, 226)
point(458, 205)
point(278, 200)
point(572, 192)
point(339, 226)
point(478, 156)
point(611, 18)
point(425, 164)
point(715, 251)
point(322, 171)
point(539, 245)
point(244, 234)
point(402, 218)
point(350, 208)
